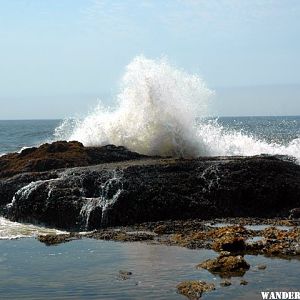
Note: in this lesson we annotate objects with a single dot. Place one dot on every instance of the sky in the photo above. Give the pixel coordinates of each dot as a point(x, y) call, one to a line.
point(58, 57)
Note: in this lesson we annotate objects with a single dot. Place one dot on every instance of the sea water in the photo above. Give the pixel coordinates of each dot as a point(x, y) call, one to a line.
point(17, 134)
point(89, 269)
point(159, 110)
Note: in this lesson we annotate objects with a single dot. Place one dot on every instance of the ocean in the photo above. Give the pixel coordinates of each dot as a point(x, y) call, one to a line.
point(16, 134)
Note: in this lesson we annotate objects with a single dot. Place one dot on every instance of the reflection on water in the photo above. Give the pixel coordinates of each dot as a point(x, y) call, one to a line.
point(88, 269)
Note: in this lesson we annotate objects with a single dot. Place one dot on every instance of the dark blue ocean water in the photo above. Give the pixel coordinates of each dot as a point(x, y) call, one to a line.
point(282, 130)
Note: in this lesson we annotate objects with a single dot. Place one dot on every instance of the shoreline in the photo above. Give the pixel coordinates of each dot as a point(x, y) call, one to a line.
point(94, 269)
point(68, 186)
point(233, 240)
point(258, 236)
point(212, 271)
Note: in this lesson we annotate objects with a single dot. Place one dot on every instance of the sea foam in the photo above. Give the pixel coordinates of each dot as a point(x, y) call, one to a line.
point(222, 141)
point(15, 230)
point(161, 110)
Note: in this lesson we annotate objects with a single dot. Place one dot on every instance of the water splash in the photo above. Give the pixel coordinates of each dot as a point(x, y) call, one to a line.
point(24, 192)
point(14, 230)
point(225, 142)
point(108, 186)
point(109, 192)
point(211, 177)
point(156, 114)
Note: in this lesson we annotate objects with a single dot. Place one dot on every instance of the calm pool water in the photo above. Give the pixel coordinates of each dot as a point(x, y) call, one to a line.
point(88, 269)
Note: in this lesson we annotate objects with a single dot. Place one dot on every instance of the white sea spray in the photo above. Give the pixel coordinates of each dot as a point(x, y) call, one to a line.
point(155, 114)
point(161, 111)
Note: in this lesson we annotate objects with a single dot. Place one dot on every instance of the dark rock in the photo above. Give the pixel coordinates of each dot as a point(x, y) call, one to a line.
point(193, 289)
point(161, 229)
point(255, 247)
point(177, 190)
point(124, 275)
point(55, 239)
point(280, 242)
point(145, 189)
point(295, 213)
point(229, 243)
point(121, 235)
point(9, 186)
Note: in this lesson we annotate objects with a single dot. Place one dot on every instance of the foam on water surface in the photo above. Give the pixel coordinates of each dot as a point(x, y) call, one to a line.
point(15, 230)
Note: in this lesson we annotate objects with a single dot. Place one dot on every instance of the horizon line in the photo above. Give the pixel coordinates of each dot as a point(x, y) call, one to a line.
point(225, 116)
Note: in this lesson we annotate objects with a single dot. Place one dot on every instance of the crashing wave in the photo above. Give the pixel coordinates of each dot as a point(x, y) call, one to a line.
point(161, 111)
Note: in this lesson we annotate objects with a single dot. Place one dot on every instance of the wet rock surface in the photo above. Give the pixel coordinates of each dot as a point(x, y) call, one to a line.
point(231, 238)
point(225, 282)
point(198, 234)
point(121, 235)
point(59, 155)
point(281, 242)
point(126, 188)
point(295, 213)
point(243, 282)
point(193, 289)
point(124, 275)
point(55, 239)
point(226, 265)
point(229, 243)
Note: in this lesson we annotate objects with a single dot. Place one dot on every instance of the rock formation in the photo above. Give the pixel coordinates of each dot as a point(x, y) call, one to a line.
point(67, 185)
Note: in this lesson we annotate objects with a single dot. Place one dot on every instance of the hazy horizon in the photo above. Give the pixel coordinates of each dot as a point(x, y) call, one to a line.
point(227, 102)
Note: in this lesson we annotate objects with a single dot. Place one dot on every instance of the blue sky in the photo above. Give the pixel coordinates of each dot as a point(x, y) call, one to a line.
point(58, 56)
